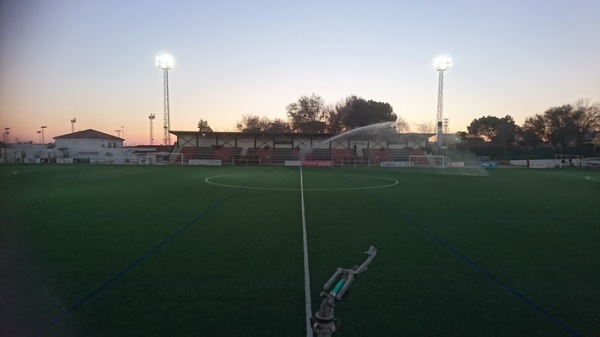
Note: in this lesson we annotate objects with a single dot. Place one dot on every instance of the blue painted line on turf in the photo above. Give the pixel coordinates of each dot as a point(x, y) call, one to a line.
point(127, 269)
point(567, 328)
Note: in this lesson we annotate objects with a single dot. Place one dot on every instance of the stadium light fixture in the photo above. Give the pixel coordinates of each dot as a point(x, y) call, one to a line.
point(165, 61)
point(442, 63)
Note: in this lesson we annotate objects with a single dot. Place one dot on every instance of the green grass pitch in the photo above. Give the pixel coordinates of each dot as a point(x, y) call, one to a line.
point(91, 250)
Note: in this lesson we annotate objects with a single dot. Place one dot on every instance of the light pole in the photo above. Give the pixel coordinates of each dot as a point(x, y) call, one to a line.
point(166, 62)
point(118, 133)
point(5, 136)
point(43, 127)
point(151, 117)
point(441, 63)
point(73, 124)
point(39, 136)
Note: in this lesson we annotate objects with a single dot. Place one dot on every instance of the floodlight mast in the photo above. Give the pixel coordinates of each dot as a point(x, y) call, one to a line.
point(441, 64)
point(165, 62)
point(151, 117)
point(324, 321)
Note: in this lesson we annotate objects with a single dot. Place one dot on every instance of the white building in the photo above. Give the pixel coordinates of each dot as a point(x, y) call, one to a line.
point(88, 146)
point(91, 146)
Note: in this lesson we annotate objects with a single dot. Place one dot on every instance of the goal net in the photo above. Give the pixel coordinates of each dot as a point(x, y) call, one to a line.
point(426, 161)
point(567, 160)
point(163, 158)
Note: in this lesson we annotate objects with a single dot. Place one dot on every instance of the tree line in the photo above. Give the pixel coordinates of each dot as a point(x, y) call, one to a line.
point(561, 127)
point(310, 114)
point(565, 126)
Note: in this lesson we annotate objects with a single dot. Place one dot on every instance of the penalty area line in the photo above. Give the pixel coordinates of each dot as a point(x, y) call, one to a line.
point(307, 302)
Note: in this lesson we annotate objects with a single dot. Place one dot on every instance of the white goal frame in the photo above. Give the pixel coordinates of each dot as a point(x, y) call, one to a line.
point(151, 158)
point(426, 160)
point(567, 160)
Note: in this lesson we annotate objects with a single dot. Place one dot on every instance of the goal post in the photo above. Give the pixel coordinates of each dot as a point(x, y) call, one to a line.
point(164, 158)
point(426, 161)
point(567, 160)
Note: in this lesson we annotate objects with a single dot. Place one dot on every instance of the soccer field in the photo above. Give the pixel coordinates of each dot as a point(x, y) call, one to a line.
point(101, 250)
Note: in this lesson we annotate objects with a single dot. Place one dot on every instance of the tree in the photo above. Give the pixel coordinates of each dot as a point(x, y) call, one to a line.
point(534, 130)
point(560, 126)
point(499, 132)
point(334, 118)
point(586, 117)
point(484, 127)
point(402, 125)
point(563, 126)
point(278, 126)
point(506, 130)
point(426, 127)
point(307, 114)
point(356, 112)
point(203, 126)
point(253, 124)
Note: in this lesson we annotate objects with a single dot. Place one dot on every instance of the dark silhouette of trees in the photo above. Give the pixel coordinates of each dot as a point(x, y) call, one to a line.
point(402, 125)
point(356, 112)
point(203, 126)
point(563, 126)
point(561, 129)
point(256, 124)
point(252, 124)
point(500, 132)
point(278, 125)
point(308, 114)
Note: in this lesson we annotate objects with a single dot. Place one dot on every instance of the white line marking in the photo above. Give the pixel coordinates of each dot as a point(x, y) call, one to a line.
point(393, 182)
point(308, 304)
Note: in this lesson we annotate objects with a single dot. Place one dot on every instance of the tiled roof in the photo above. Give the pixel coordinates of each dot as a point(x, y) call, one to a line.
point(88, 134)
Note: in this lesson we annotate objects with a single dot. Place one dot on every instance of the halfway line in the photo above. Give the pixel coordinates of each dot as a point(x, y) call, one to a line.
point(308, 304)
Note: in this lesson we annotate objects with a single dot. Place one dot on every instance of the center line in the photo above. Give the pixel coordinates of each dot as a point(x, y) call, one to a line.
point(308, 305)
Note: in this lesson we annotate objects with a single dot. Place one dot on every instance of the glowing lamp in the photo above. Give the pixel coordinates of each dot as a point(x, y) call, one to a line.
point(442, 63)
point(165, 61)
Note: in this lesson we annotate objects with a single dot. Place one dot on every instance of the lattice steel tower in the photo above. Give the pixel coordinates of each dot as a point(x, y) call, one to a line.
point(165, 62)
point(441, 63)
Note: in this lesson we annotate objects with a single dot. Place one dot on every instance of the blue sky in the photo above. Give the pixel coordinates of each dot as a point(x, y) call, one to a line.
point(94, 60)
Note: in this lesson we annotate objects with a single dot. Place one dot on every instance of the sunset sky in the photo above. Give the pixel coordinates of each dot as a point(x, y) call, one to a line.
point(94, 60)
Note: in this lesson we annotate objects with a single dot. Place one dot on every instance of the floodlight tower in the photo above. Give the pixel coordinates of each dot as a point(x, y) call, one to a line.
point(165, 62)
point(441, 63)
point(73, 124)
point(151, 117)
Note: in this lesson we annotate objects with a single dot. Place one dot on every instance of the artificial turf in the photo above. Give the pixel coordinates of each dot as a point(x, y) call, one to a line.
point(92, 250)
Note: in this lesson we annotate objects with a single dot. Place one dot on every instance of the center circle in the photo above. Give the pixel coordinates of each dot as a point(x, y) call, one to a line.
point(225, 181)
